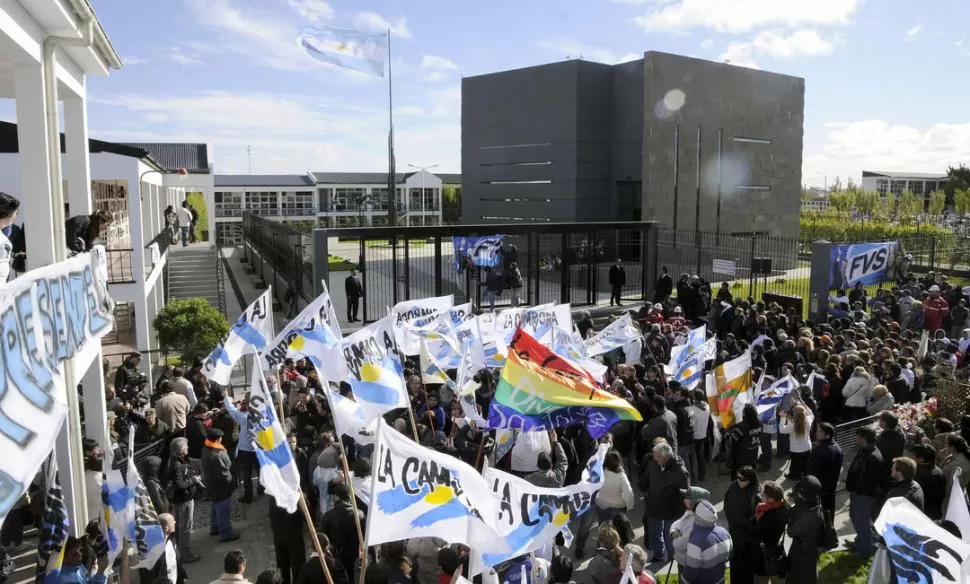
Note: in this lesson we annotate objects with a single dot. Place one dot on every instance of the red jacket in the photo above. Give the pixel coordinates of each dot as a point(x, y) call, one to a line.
point(934, 311)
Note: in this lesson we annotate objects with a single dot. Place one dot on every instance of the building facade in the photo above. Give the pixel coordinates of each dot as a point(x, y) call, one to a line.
point(332, 199)
point(921, 184)
point(689, 143)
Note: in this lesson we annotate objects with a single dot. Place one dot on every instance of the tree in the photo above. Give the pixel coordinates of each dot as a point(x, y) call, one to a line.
point(887, 205)
point(961, 201)
point(937, 203)
point(807, 195)
point(866, 202)
point(450, 204)
point(908, 207)
point(842, 202)
point(190, 326)
point(958, 178)
point(849, 183)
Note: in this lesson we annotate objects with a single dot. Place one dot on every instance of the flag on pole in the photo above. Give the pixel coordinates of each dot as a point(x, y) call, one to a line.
point(768, 400)
point(614, 336)
point(53, 529)
point(253, 328)
point(376, 374)
point(956, 508)
point(733, 378)
point(351, 49)
point(309, 335)
point(687, 363)
point(919, 549)
point(277, 467)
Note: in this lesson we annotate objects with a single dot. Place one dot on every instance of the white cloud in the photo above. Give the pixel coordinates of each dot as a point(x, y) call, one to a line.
point(313, 11)
point(738, 16)
point(707, 44)
point(182, 59)
point(291, 133)
point(913, 33)
point(799, 43)
point(436, 62)
point(569, 48)
point(851, 147)
point(376, 22)
point(133, 61)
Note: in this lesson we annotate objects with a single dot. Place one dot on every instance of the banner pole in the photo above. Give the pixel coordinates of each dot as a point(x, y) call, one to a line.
point(314, 538)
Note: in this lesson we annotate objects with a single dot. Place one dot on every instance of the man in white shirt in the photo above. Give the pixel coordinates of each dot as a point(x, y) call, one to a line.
point(185, 221)
point(169, 564)
point(183, 386)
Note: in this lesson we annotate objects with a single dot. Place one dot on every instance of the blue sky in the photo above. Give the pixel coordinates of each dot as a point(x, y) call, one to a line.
point(880, 85)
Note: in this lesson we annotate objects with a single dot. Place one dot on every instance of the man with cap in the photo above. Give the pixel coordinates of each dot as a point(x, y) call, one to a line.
point(708, 548)
point(680, 529)
point(220, 485)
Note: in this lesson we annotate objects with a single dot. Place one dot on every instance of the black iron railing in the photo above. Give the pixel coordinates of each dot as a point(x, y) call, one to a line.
point(276, 252)
point(120, 266)
point(221, 279)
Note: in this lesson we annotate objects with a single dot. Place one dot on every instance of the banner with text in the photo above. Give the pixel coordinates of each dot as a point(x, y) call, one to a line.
point(866, 263)
point(375, 371)
point(483, 252)
point(254, 327)
point(415, 315)
point(48, 315)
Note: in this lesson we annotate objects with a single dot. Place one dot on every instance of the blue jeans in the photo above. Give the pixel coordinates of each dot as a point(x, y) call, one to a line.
point(860, 513)
point(185, 236)
point(219, 518)
point(658, 536)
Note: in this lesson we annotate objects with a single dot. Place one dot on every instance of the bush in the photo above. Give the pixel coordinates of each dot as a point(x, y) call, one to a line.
point(191, 326)
point(838, 229)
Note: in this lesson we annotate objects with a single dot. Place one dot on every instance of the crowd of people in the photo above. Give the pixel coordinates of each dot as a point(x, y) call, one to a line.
point(866, 359)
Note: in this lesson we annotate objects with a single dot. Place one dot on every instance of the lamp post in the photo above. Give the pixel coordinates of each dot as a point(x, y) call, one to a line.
point(423, 170)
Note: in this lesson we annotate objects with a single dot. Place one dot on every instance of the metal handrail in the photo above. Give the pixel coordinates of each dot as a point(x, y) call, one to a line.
point(221, 280)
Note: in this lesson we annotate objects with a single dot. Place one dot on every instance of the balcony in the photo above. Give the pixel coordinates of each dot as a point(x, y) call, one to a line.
point(299, 211)
point(266, 212)
point(229, 211)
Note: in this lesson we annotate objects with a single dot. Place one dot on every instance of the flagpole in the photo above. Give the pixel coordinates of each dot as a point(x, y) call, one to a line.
point(391, 171)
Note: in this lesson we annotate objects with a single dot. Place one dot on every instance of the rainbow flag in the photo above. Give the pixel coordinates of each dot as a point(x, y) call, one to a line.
point(733, 378)
point(540, 390)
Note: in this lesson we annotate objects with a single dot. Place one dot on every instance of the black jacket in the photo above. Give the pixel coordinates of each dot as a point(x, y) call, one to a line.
point(312, 572)
point(617, 276)
point(769, 530)
point(661, 487)
point(909, 490)
point(339, 525)
point(864, 476)
point(82, 232)
point(805, 531)
point(933, 482)
point(287, 528)
point(685, 423)
point(150, 470)
point(182, 484)
point(739, 506)
point(195, 434)
point(219, 483)
point(825, 464)
point(353, 287)
point(160, 569)
point(891, 444)
point(665, 285)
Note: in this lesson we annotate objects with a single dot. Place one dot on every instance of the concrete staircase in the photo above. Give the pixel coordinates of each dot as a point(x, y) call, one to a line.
point(193, 272)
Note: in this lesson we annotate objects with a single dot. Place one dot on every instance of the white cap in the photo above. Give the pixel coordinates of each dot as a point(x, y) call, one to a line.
point(934, 288)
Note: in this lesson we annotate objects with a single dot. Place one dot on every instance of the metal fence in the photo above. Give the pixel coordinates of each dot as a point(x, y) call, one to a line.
point(558, 262)
point(278, 254)
point(752, 264)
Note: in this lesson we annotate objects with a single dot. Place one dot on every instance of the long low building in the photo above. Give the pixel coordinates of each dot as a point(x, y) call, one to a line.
point(332, 199)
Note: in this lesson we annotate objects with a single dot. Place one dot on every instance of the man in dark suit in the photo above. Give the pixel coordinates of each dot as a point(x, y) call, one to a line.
point(354, 290)
point(169, 564)
point(617, 280)
point(665, 286)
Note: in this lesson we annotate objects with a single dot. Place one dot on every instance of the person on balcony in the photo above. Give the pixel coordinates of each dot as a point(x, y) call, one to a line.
point(185, 221)
point(8, 214)
point(83, 231)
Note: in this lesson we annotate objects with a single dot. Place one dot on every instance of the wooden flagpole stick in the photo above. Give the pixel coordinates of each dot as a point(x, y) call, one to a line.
point(316, 540)
point(353, 501)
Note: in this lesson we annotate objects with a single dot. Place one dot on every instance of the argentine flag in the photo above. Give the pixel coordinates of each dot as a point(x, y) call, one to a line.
point(350, 49)
point(277, 468)
point(687, 361)
point(767, 400)
point(254, 327)
point(376, 374)
point(311, 335)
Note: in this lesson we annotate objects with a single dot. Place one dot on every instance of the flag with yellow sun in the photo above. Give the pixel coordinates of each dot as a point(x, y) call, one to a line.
point(277, 467)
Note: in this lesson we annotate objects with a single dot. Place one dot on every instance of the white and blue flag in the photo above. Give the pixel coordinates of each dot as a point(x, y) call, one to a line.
point(350, 49)
point(277, 467)
point(253, 328)
point(687, 360)
point(767, 400)
point(312, 334)
point(920, 550)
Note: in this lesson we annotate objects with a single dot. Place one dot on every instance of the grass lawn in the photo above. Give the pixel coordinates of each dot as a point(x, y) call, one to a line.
point(841, 567)
point(339, 264)
point(384, 242)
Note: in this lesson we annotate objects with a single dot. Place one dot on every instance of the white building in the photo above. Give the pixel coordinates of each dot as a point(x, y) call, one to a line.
point(47, 50)
point(336, 199)
point(920, 184)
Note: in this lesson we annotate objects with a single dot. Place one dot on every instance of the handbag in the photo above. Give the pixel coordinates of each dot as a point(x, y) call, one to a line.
point(775, 564)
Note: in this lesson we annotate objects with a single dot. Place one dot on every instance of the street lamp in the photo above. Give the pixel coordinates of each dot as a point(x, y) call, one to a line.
point(423, 170)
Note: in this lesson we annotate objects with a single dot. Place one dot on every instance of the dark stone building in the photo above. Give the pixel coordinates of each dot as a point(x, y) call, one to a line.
point(582, 141)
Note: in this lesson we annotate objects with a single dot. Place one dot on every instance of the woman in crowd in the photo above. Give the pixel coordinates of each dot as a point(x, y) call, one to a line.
point(800, 436)
point(740, 503)
point(768, 558)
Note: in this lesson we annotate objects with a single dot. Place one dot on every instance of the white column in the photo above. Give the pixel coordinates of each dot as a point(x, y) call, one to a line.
point(95, 406)
point(143, 330)
point(135, 226)
point(77, 156)
point(36, 208)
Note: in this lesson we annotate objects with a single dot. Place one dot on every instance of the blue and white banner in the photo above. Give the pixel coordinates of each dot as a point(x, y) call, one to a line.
point(411, 317)
point(311, 335)
point(919, 549)
point(768, 400)
point(483, 252)
point(419, 492)
point(277, 467)
point(687, 360)
point(529, 517)
point(616, 335)
point(350, 49)
point(253, 328)
point(866, 263)
point(461, 313)
point(374, 369)
point(50, 314)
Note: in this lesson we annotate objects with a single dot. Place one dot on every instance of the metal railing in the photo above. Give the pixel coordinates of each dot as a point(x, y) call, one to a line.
point(120, 266)
point(276, 251)
point(563, 262)
point(221, 279)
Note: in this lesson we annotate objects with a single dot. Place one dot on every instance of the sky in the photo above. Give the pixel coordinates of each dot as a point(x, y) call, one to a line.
point(880, 92)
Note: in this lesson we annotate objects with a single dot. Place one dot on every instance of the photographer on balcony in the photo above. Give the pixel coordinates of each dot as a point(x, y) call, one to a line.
point(83, 231)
